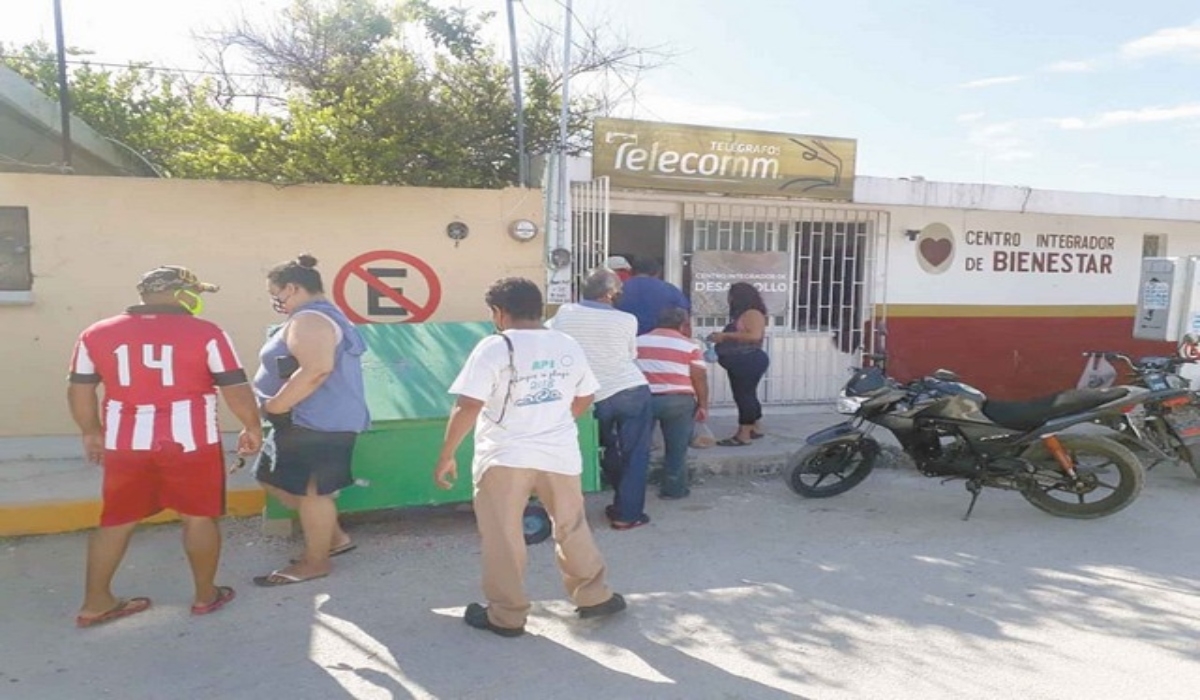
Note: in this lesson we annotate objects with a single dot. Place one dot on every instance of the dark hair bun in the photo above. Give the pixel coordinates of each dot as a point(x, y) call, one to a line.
point(306, 260)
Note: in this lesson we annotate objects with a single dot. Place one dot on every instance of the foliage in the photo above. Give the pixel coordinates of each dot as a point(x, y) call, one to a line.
point(345, 91)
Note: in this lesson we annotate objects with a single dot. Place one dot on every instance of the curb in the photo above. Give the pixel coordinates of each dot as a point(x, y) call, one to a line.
point(770, 464)
point(56, 517)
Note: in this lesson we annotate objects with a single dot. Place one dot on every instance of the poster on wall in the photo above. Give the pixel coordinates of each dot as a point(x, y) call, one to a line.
point(558, 286)
point(714, 270)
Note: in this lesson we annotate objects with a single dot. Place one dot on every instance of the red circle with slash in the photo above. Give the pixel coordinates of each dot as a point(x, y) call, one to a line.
point(357, 269)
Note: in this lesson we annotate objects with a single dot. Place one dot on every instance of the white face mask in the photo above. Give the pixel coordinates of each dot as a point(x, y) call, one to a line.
point(279, 304)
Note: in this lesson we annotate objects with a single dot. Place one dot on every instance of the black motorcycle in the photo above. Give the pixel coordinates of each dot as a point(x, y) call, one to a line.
point(1168, 427)
point(952, 430)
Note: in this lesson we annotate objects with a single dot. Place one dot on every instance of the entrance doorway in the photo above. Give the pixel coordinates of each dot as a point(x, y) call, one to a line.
point(637, 236)
point(835, 282)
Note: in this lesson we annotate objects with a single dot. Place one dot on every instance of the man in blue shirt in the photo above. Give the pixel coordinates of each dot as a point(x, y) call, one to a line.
point(646, 296)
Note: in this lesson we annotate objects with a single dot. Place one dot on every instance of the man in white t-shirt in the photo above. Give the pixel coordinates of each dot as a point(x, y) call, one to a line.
point(623, 403)
point(522, 391)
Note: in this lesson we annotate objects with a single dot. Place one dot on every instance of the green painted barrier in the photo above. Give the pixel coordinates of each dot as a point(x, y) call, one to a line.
point(408, 369)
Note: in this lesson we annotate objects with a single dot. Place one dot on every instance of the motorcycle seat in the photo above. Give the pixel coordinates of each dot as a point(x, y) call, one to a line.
point(1027, 415)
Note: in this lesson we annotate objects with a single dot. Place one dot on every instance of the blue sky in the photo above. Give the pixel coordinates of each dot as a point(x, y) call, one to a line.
point(1098, 96)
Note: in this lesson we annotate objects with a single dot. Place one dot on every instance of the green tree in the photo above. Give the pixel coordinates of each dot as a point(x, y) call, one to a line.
point(344, 91)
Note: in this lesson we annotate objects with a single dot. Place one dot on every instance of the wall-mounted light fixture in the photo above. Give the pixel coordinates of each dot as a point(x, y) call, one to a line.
point(457, 231)
point(560, 258)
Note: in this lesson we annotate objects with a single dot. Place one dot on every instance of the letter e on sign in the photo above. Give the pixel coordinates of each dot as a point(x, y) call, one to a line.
point(387, 286)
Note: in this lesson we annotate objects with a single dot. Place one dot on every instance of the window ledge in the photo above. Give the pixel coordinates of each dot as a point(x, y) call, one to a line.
point(16, 298)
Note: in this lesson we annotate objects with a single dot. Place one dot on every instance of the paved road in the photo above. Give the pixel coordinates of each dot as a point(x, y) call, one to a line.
point(742, 591)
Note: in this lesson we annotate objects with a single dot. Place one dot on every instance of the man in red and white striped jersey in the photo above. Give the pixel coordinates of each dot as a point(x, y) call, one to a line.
point(678, 376)
point(157, 436)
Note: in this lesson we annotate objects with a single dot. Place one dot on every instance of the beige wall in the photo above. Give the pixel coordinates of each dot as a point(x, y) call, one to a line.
point(92, 237)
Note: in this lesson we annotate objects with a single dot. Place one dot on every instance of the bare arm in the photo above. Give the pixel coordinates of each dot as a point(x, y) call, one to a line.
point(700, 386)
point(84, 402)
point(580, 405)
point(755, 324)
point(241, 401)
point(462, 419)
point(313, 342)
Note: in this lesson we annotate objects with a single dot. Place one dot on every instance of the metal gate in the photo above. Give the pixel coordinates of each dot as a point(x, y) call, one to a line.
point(838, 259)
point(589, 229)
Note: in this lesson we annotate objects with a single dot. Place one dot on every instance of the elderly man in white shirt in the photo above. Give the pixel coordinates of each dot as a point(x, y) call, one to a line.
point(623, 402)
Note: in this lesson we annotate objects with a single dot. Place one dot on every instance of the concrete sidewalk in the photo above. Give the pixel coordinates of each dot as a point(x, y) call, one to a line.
point(46, 487)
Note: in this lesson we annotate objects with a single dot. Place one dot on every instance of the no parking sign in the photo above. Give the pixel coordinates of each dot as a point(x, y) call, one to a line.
point(387, 286)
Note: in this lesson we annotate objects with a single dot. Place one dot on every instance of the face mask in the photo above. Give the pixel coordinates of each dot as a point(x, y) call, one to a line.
point(190, 301)
point(279, 304)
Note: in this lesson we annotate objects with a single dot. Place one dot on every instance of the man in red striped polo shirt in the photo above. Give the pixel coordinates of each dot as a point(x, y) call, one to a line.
point(157, 437)
point(674, 365)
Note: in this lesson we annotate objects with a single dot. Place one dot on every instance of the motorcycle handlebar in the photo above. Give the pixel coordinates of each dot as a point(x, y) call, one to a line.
point(1109, 355)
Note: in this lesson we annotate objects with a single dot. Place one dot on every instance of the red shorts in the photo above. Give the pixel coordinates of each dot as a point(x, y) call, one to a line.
point(138, 484)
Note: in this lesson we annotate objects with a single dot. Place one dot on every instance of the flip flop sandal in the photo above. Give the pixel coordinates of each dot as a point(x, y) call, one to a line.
point(125, 608)
point(643, 519)
point(732, 442)
point(336, 551)
point(278, 578)
point(224, 595)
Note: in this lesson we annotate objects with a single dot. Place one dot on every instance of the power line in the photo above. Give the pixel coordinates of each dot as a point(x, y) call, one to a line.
point(137, 66)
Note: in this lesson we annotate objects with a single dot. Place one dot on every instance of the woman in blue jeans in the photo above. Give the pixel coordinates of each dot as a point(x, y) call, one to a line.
point(740, 351)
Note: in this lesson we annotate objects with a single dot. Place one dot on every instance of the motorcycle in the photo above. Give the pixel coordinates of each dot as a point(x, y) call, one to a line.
point(953, 431)
point(1167, 428)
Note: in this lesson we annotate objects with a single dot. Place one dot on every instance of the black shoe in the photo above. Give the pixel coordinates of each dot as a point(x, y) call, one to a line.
point(477, 617)
point(612, 606)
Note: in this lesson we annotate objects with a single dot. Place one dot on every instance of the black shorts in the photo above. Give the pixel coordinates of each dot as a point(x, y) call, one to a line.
point(301, 455)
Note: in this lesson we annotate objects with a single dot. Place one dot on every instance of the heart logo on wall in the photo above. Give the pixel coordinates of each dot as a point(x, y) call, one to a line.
point(935, 248)
point(936, 251)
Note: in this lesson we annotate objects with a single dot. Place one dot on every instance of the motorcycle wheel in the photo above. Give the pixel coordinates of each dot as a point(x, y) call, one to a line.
point(821, 471)
point(1105, 469)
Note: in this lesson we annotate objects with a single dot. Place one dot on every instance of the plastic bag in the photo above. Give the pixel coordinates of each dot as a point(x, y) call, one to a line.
point(702, 436)
point(1098, 373)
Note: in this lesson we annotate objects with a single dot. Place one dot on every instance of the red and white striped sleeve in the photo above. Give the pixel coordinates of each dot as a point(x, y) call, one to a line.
point(83, 369)
point(223, 361)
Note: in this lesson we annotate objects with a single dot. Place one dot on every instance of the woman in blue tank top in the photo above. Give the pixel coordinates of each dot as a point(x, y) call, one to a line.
point(310, 387)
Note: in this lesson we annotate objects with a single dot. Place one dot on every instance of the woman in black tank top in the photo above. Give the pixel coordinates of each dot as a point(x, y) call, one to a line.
point(740, 351)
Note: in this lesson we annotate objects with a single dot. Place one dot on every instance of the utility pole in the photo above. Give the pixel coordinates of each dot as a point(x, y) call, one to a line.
point(563, 180)
point(64, 98)
point(522, 158)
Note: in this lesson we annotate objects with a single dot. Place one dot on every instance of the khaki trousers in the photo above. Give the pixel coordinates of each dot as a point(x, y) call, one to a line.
point(500, 500)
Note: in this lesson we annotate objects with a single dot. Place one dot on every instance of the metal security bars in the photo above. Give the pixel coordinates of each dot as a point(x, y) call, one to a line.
point(838, 259)
point(589, 227)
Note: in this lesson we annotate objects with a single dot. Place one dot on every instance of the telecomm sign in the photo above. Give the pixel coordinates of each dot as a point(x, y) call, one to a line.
point(652, 155)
